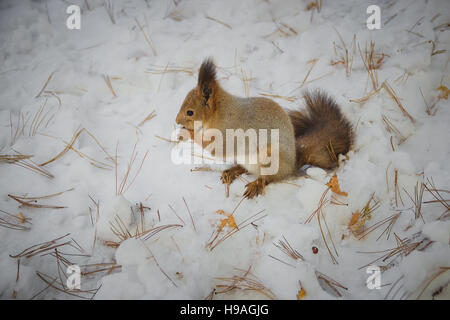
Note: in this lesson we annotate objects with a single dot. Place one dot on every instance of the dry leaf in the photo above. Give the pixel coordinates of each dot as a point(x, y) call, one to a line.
point(367, 211)
point(360, 217)
point(354, 218)
point(229, 221)
point(357, 221)
point(21, 217)
point(357, 225)
point(334, 185)
point(444, 92)
point(301, 294)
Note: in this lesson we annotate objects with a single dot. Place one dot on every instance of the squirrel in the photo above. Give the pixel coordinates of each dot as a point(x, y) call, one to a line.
point(314, 136)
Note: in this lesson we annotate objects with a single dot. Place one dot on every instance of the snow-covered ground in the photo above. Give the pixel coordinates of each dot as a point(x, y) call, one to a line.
point(54, 82)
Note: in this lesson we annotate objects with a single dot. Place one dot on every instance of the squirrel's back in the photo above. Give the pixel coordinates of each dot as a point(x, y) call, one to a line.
point(257, 113)
point(321, 131)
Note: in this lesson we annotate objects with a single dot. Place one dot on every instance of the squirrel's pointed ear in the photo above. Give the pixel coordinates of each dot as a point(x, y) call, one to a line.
point(207, 80)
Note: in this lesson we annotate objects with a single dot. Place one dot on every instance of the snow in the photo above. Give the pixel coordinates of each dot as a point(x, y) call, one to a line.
point(116, 208)
point(437, 231)
point(176, 262)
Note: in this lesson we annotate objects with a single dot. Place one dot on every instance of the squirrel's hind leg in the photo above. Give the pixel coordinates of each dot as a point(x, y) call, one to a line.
point(255, 188)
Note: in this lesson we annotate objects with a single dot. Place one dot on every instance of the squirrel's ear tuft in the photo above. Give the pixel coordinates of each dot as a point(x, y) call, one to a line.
point(207, 78)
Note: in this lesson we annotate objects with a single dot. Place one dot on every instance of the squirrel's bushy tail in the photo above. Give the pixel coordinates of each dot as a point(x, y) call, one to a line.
point(321, 131)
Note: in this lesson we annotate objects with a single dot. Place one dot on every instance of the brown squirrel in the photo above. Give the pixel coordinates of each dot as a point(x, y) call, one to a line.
point(314, 136)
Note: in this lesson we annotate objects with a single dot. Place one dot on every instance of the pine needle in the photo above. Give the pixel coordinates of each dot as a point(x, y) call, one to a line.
point(247, 282)
point(45, 84)
point(218, 21)
point(394, 97)
point(147, 39)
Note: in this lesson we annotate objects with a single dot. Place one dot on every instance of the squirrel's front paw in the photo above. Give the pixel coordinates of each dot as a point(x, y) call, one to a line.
point(255, 188)
point(229, 175)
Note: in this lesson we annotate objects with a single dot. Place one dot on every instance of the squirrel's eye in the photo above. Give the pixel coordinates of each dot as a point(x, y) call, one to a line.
point(190, 113)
